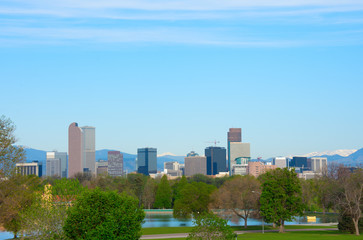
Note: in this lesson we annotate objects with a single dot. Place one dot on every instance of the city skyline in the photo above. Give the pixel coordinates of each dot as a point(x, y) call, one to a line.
point(342, 152)
point(176, 75)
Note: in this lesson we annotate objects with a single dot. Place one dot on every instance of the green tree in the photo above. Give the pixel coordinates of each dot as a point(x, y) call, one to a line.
point(201, 178)
point(178, 186)
point(66, 190)
point(209, 226)
point(104, 215)
point(9, 154)
point(163, 194)
point(136, 183)
point(148, 196)
point(324, 188)
point(194, 200)
point(16, 195)
point(309, 198)
point(45, 218)
point(238, 196)
point(281, 197)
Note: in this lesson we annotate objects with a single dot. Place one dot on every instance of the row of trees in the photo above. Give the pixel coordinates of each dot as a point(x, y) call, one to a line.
point(277, 195)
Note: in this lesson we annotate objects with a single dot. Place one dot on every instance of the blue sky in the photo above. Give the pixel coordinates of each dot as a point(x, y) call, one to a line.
point(177, 74)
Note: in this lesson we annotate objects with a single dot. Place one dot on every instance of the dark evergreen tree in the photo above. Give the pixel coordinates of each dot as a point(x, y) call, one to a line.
point(163, 194)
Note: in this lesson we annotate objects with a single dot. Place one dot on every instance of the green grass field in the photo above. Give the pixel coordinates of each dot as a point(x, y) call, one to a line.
point(312, 235)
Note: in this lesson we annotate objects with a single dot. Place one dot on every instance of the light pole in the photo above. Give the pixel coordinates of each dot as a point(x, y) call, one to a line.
point(263, 220)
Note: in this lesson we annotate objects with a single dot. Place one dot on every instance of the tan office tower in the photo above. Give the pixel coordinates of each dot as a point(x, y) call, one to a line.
point(195, 164)
point(74, 149)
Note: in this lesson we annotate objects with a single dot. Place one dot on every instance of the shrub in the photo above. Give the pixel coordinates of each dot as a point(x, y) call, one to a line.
point(104, 215)
point(209, 226)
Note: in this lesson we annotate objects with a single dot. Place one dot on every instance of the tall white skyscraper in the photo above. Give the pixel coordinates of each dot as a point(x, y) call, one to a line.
point(89, 149)
point(319, 164)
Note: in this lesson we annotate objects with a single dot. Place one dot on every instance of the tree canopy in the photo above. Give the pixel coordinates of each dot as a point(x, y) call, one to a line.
point(9, 154)
point(163, 196)
point(194, 199)
point(44, 219)
point(281, 196)
point(238, 196)
point(16, 195)
point(104, 215)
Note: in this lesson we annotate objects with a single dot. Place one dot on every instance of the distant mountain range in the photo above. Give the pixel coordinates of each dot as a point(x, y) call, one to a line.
point(341, 152)
point(355, 158)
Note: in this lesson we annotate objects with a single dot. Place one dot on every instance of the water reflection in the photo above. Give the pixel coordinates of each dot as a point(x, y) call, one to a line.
point(6, 235)
point(167, 220)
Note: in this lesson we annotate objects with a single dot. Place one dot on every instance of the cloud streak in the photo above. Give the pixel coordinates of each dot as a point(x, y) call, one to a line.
point(236, 23)
point(181, 5)
point(175, 10)
point(160, 35)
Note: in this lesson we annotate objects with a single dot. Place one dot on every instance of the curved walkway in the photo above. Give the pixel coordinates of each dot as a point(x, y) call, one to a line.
point(184, 235)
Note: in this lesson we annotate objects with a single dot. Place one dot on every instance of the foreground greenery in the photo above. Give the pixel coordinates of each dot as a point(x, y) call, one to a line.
point(210, 226)
point(281, 197)
point(277, 195)
point(104, 215)
point(168, 230)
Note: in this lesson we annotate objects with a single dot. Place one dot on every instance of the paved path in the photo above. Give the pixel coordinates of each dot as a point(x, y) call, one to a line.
point(184, 235)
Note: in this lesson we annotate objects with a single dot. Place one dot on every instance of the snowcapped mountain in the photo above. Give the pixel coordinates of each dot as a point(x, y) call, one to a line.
point(340, 152)
point(166, 154)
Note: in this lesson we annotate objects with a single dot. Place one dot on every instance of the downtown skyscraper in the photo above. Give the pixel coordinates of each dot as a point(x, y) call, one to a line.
point(146, 162)
point(81, 149)
point(56, 164)
point(115, 163)
point(239, 153)
point(216, 160)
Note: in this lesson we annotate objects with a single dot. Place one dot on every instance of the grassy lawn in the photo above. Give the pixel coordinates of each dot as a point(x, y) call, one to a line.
point(164, 230)
point(320, 235)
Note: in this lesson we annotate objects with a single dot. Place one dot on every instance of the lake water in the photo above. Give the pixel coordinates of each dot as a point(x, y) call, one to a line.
point(6, 235)
point(167, 220)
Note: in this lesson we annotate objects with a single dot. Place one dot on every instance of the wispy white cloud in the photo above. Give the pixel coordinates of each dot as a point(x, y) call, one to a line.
point(180, 5)
point(175, 9)
point(162, 35)
point(207, 22)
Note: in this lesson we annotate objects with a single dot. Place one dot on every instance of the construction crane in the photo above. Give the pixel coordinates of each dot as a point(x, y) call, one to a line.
point(215, 142)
